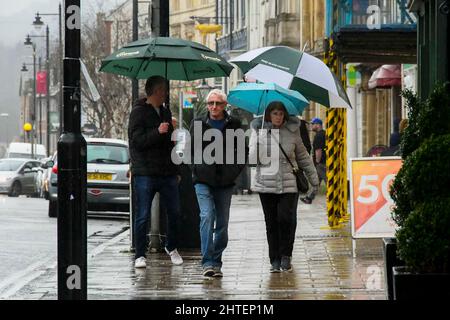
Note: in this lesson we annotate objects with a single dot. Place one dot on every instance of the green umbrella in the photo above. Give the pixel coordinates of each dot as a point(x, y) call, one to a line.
point(172, 58)
point(294, 70)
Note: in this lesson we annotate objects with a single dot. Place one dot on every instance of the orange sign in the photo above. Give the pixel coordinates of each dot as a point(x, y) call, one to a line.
point(371, 204)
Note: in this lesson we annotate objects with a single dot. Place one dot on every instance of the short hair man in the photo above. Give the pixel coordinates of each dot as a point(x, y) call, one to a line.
point(214, 185)
point(319, 156)
point(149, 132)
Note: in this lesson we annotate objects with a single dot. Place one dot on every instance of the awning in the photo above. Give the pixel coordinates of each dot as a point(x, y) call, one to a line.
point(388, 75)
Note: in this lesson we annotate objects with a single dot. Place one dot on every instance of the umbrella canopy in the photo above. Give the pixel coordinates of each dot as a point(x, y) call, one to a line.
point(295, 70)
point(254, 98)
point(172, 58)
point(386, 76)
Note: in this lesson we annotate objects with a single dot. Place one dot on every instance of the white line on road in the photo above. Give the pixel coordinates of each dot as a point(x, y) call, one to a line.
point(21, 278)
point(24, 277)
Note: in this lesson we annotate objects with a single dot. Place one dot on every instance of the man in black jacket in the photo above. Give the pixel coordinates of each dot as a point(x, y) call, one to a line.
point(304, 134)
point(214, 180)
point(149, 134)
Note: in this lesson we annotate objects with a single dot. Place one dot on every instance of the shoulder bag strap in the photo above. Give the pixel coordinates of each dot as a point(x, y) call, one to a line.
point(295, 169)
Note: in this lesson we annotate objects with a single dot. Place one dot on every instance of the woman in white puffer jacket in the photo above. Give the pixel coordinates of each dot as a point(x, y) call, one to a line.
point(275, 181)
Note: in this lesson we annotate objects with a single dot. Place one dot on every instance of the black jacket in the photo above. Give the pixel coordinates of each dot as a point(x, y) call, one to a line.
point(150, 151)
point(217, 175)
point(305, 136)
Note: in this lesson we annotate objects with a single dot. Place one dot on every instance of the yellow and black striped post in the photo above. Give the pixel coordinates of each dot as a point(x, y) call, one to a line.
point(333, 168)
point(343, 154)
point(336, 152)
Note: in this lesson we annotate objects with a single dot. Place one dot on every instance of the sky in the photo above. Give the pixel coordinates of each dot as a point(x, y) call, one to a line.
point(16, 18)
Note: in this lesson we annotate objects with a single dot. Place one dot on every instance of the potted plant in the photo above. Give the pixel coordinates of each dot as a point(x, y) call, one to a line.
point(422, 200)
point(391, 260)
point(409, 142)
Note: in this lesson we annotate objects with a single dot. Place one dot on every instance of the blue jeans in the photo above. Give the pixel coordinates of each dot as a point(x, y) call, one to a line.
point(145, 188)
point(214, 208)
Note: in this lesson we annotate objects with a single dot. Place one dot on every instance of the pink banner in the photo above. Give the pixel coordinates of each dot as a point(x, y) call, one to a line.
point(41, 82)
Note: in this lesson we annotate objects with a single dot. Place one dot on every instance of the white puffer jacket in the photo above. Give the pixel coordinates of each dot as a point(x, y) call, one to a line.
point(282, 179)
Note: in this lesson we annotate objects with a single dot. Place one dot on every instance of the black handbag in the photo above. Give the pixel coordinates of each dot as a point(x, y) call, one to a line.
point(302, 182)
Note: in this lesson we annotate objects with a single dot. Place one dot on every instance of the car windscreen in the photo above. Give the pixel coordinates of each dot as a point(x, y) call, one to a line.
point(108, 154)
point(10, 165)
point(19, 155)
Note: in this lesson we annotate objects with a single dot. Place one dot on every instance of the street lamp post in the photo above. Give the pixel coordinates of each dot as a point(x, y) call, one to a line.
point(28, 127)
point(40, 104)
point(28, 41)
point(6, 115)
point(72, 169)
point(33, 116)
point(38, 23)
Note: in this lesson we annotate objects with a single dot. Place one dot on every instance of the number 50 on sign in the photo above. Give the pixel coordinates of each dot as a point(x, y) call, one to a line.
point(371, 204)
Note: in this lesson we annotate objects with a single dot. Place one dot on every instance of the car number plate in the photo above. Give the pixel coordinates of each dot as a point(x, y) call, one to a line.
point(99, 176)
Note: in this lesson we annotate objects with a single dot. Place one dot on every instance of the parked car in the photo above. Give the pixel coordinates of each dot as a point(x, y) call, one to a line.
point(46, 164)
point(23, 150)
point(108, 186)
point(20, 177)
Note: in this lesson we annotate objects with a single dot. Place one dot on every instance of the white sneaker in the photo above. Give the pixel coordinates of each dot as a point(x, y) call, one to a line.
point(175, 257)
point(140, 263)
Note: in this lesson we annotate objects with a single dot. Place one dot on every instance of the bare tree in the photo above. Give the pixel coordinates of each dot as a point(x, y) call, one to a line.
point(110, 113)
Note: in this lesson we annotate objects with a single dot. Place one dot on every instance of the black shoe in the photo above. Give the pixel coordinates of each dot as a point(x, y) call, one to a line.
point(275, 267)
point(306, 200)
point(286, 264)
point(208, 272)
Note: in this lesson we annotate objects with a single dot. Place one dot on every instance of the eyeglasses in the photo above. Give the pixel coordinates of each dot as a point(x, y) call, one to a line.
point(218, 103)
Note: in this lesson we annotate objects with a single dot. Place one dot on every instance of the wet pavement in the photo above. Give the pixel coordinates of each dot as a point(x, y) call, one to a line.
point(28, 240)
point(324, 265)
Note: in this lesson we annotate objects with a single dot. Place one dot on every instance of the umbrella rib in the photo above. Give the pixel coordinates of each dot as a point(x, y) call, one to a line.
point(225, 71)
point(146, 62)
point(185, 72)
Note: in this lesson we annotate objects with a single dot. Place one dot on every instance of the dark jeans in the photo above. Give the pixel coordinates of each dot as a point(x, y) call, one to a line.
point(322, 174)
point(280, 213)
point(145, 188)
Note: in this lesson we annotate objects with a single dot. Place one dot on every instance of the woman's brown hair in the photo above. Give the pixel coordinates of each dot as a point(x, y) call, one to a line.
point(276, 105)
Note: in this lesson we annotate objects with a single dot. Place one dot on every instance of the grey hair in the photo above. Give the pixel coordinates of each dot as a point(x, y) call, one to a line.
point(219, 93)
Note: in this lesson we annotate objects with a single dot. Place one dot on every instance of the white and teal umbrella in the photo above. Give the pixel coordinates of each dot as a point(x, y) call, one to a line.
point(255, 97)
point(295, 70)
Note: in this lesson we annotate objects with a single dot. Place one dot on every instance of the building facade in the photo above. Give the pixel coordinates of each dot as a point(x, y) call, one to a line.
point(185, 17)
point(371, 37)
point(233, 16)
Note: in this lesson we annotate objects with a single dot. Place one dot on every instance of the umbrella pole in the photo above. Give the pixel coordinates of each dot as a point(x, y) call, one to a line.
point(264, 110)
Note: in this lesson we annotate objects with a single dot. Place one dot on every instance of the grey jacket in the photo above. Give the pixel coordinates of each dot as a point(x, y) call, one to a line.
point(280, 180)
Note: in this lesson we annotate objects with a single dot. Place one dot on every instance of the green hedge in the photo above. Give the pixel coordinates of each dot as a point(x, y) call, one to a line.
point(425, 119)
point(421, 189)
point(424, 239)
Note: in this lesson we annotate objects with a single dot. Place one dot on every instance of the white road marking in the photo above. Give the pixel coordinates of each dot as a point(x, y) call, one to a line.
point(17, 281)
point(21, 278)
